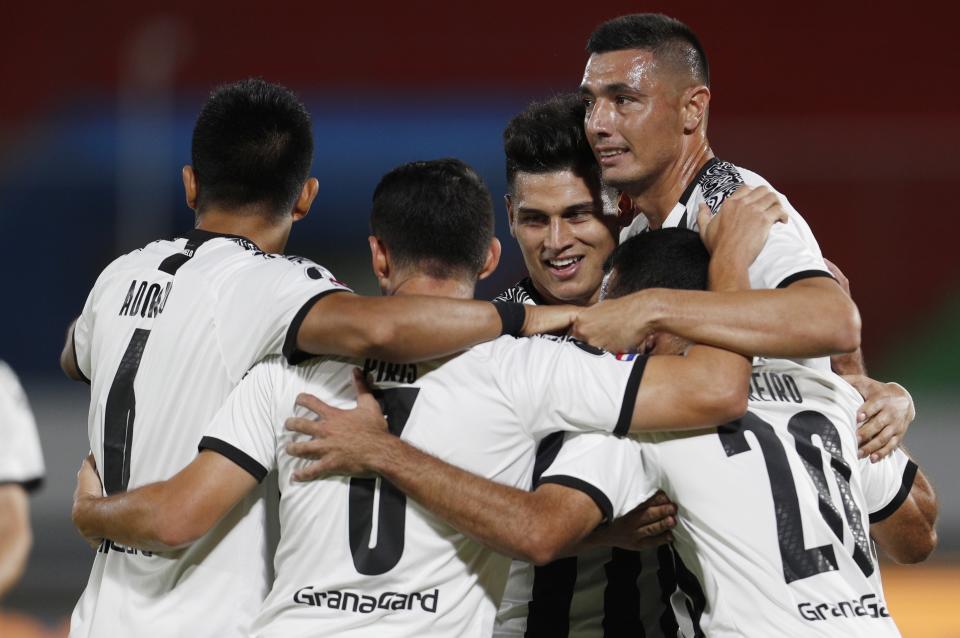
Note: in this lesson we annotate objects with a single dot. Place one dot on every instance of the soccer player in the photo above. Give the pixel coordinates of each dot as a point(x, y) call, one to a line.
point(776, 510)
point(646, 91)
point(354, 559)
point(170, 329)
point(21, 472)
point(566, 227)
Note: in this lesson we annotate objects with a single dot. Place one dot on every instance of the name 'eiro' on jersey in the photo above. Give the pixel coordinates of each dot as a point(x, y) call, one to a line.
point(166, 333)
point(774, 509)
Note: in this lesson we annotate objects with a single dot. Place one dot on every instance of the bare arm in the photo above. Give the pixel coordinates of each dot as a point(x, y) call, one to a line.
point(909, 535)
point(15, 536)
point(165, 515)
point(412, 328)
point(68, 357)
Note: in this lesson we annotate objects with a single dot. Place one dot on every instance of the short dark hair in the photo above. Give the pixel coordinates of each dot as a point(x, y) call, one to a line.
point(666, 258)
point(668, 39)
point(252, 144)
point(547, 137)
point(435, 216)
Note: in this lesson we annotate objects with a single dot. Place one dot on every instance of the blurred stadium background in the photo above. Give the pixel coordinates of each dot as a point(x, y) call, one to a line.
point(849, 110)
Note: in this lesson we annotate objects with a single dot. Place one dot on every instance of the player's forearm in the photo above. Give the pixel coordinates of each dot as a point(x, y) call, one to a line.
point(796, 322)
point(146, 518)
point(15, 536)
point(399, 328)
point(501, 517)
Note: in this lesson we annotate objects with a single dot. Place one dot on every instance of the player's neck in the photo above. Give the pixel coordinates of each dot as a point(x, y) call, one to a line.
point(432, 287)
point(268, 233)
point(657, 199)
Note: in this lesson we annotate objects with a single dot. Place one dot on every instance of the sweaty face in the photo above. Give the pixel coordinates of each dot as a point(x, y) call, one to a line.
point(563, 234)
point(633, 117)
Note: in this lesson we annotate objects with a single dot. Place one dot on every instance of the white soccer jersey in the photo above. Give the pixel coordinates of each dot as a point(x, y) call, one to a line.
point(774, 509)
point(356, 557)
point(21, 461)
point(165, 335)
point(791, 252)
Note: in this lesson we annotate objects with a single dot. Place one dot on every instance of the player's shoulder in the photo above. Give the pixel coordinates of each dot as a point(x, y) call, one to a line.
point(521, 292)
point(804, 384)
point(148, 256)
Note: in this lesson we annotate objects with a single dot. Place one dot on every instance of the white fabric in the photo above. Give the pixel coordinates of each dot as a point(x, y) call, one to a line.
point(21, 460)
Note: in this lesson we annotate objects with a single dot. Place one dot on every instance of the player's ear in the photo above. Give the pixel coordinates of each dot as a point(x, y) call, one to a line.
point(696, 100)
point(307, 194)
point(509, 203)
point(493, 258)
point(190, 189)
point(379, 261)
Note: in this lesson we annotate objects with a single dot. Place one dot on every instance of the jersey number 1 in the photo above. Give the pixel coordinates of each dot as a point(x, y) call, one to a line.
point(392, 508)
point(798, 561)
point(118, 416)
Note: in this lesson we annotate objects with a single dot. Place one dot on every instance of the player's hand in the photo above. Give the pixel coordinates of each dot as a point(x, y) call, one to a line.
point(647, 525)
point(344, 441)
point(619, 325)
point(741, 227)
point(884, 417)
point(552, 319)
point(88, 487)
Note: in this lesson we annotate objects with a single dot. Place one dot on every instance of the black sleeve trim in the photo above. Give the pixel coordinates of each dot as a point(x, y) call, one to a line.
point(909, 473)
point(630, 396)
point(76, 361)
point(803, 274)
point(236, 455)
point(606, 508)
point(290, 351)
point(30, 485)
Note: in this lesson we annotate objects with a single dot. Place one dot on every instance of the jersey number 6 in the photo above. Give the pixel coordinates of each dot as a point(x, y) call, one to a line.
point(392, 508)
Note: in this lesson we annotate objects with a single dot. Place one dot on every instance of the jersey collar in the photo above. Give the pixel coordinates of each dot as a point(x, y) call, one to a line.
point(197, 236)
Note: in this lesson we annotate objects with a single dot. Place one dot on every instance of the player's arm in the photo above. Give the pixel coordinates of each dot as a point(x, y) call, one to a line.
point(68, 357)
point(165, 515)
point(15, 536)
point(908, 534)
point(809, 317)
point(415, 328)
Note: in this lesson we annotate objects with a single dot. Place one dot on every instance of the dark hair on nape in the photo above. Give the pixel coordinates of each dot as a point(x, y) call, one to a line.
point(668, 38)
point(547, 137)
point(434, 216)
point(252, 144)
point(666, 258)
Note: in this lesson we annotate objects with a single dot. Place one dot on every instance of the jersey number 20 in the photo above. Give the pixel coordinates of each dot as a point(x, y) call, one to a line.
point(798, 561)
point(392, 509)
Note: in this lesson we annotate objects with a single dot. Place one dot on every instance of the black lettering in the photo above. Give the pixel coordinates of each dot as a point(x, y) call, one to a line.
point(380, 368)
point(414, 597)
point(368, 366)
point(400, 602)
point(820, 609)
point(759, 388)
point(411, 373)
point(349, 597)
point(138, 299)
point(751, 396)
point(154, 296)
point(303, 596)
point(129, 298)
point(792, 389)
point(367, 604)
point(166, 295)
point(778, 387)
point(844, 607)
point(806, 614)
point(429, 601)
point(333, 599)
point(385, 599)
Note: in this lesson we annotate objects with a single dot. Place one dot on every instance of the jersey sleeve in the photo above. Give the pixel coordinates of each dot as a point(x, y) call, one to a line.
point(887, 483)
point(564, 384)
point(21, 460)
point(261, 309)
point(609, 470)
point(244, 428)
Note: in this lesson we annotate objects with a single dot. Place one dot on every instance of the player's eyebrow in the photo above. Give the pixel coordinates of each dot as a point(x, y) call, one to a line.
point(581, 207)
point(619, 87)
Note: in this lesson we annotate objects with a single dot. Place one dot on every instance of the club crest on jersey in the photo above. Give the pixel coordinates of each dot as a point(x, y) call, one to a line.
point(365, 604)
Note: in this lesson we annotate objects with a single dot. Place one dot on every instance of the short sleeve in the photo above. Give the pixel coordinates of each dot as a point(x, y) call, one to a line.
point(564, 384)
point(244, 428)
point(83, 333)
point(609, 470)
point(790, 254)
point(21, 460)
point(887, 483)
point(260, 309)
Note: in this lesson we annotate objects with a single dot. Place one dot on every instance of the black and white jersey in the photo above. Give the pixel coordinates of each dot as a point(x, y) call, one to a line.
point(21, 461)
point(166, 333)
point(791, 252)
point(356, 557)
point(601, 592)
point(774, 509)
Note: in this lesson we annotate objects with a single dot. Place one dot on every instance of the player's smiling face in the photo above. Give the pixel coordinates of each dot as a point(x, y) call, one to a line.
point(633, 117)
point(563, 234)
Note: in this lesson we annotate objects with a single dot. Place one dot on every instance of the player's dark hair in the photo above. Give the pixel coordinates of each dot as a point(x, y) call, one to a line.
point(547, 137)
point(252, 144)
point(435, 216)
point(667, 258)
point(668, 38)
